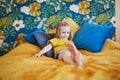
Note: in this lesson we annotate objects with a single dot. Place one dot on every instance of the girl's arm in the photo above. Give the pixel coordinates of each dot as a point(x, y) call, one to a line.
point(43, 51)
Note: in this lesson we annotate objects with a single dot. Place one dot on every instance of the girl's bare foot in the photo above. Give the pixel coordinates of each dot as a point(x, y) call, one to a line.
point(76, 55)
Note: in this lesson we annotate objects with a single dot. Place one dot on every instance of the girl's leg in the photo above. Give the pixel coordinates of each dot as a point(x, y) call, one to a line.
point(66, 57)
point(76, 55)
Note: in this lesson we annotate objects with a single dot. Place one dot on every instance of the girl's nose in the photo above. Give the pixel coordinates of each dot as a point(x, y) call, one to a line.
point(66, 34)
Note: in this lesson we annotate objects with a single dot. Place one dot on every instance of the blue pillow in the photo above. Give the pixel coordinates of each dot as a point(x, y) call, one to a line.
point(91, 37)
point(30, 37)
point(42, 39)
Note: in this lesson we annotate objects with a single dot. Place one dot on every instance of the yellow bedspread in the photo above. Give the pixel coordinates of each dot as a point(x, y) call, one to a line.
point(18, 64)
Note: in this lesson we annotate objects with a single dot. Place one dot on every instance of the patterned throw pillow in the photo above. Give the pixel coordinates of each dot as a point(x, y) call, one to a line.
point(74, 26)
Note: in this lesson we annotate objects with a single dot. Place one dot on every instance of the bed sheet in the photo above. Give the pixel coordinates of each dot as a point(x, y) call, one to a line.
point(19, 64)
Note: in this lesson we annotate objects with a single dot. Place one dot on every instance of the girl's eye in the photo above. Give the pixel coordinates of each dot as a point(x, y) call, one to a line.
point(68, 32)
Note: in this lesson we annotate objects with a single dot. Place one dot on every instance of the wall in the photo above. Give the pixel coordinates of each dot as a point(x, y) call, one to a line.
point(117, 9)
point(21, 17)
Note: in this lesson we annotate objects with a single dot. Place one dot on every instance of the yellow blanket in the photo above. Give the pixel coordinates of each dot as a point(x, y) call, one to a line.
point(18, 64)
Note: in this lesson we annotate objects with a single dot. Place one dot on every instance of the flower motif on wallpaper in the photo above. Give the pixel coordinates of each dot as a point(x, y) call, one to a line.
point(113, 21)
point(107, 3)
point(82, 7)
point(56, 3)
point(18, 24)
point(30, 23)
point(65, 12)
point(20, 39)
point(16, 14)
point(103, 18)
point(1, 42)
point(2, 37)
point(69, 0)
point(42, 23)
point(5, 7)
point(33, 9)
point(74, 8)
point(47, 10)
point(6, 47)
point(96, 9)
point(20, 1)
point(25, 10)
point(53, 20)
point(79, 20)
point(4, 22)
point(90, 19)
point(40, 1)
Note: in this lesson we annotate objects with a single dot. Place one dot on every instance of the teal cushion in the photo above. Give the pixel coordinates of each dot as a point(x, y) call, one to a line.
point(91, 37)
point(30, 37)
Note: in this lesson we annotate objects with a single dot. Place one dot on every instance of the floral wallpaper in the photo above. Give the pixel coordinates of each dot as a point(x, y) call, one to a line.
point(21, 17)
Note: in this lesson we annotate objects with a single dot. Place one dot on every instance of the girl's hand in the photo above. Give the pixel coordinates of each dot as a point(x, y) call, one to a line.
point(43, 51)
point(37, 55)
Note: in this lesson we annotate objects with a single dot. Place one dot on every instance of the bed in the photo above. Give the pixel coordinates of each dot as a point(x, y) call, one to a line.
point(18, 64)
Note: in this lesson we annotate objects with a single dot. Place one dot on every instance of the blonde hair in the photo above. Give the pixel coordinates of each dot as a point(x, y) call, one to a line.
point(57, 35)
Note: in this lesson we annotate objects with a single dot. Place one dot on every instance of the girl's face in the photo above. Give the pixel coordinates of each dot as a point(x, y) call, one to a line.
point(64, 32)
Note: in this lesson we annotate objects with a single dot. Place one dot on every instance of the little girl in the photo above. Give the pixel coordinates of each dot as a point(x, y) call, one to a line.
point(64, 48)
